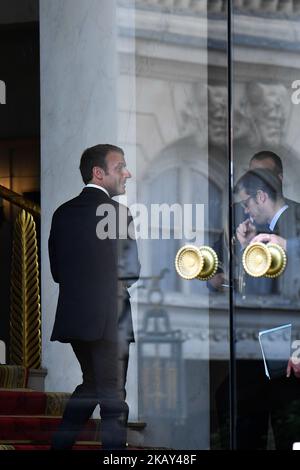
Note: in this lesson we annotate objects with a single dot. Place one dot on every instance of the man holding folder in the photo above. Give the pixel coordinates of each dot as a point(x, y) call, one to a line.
point(260, 194)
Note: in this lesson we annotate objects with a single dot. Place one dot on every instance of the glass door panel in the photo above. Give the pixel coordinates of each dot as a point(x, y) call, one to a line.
point(266, 140)
point(173, 126)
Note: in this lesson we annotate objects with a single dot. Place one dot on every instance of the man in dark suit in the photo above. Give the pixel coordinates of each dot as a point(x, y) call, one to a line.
point(260, 194)
point(262, 159)
point(89, 240)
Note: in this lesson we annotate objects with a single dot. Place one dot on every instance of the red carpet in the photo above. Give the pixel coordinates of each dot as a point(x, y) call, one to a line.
point(25, 402)
point(39, 429)
point(76, 447)
point(28, 419)
point(31, 447)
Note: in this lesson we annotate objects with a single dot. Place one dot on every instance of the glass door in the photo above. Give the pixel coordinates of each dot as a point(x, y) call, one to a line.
point(266, 112)
point(173, 125)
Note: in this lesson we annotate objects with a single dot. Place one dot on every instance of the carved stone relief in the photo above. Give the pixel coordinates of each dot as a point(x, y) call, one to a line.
point(260, 116)
point(203, 113)
point(267, 107)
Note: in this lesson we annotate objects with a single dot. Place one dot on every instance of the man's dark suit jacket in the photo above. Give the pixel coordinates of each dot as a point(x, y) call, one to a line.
point(86, 269)
point(288, 227)
point(287, 285)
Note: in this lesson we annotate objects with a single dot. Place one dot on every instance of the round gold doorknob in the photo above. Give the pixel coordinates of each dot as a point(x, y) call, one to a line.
point(194, 262)
point(264, 260)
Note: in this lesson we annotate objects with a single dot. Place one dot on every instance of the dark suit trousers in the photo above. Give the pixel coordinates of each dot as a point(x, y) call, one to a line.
point(259, 398)
point(104, 368)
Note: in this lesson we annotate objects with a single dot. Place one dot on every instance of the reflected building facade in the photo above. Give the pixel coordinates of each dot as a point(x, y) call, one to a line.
point(180, 78)
point(161, 75)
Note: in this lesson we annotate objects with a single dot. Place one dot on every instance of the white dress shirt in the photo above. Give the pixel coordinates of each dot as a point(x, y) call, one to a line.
point(90, 185)
point(276, 217)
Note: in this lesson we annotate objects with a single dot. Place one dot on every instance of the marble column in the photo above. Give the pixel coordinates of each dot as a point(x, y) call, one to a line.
point(78, 109)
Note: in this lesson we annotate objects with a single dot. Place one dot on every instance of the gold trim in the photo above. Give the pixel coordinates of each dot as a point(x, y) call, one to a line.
point(20, 201)
point(189, 262)
point(192, 262)
point(56, 403)
point(264, 260)
point(279, 260)
point(25, 321)
point(257, 259)
point(210, 263)
point(12, 376)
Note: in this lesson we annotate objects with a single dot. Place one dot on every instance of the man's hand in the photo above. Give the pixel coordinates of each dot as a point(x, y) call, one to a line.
point(270, 237)
point(217, 282)
point(293, 367)
point(245, 233)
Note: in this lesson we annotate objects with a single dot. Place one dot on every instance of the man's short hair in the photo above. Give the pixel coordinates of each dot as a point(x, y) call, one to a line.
point(260, 179)
point(95, 156)
point(267, 154)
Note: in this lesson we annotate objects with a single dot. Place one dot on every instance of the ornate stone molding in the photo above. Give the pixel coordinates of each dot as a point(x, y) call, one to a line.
point(256, 7)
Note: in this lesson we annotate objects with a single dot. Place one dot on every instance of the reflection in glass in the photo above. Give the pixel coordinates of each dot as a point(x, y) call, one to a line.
point(173, 126)
point(266, 120)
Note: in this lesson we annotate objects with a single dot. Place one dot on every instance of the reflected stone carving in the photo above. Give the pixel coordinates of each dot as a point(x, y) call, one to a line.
point(269, 6)
point(182, 3)
point(286, 6)
point(215, 6)
point(260, 117)
point(238, 3)
point(296, 6)
point(268, 107)
point(167, 3)
point(242, 125)
point(200, 6)
point(204, 114)
point(251, 5)
point(217, 115)
point(191, 108)
point(149, 2)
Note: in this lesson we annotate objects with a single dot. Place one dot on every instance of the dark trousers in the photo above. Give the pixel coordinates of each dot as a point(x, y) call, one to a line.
point(104, 368)
point(259, 399)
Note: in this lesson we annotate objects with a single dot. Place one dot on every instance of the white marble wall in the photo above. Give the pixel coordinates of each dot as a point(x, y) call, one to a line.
point(78, 109)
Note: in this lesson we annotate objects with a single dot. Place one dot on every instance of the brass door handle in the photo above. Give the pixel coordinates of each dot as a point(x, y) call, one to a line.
point(264, 260)
point(194, 262)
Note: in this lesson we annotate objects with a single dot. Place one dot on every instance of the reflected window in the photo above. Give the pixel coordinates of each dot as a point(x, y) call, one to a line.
point(185, 186)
